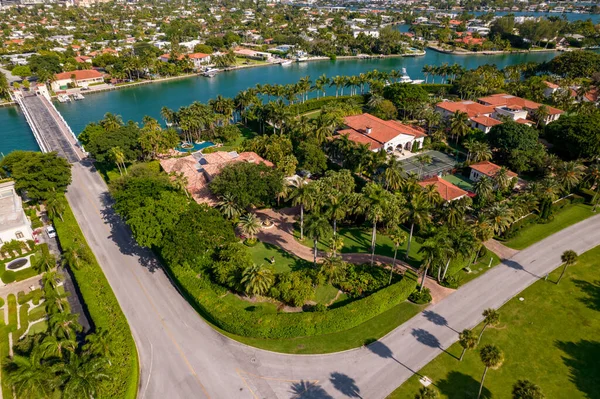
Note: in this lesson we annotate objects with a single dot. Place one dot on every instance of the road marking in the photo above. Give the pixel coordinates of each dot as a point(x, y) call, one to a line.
point(89, 195)
point(151, 363)
point(237, 371)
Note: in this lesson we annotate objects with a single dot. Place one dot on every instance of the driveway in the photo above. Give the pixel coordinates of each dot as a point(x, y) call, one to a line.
point(181, 356)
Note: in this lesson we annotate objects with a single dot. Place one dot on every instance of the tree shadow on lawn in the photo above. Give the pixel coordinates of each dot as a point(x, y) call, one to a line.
point(582, 360)
point(592, 290)
point(308, 390)
point(460, 386)
point(296, 263)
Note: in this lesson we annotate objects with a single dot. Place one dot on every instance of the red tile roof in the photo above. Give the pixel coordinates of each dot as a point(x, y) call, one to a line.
point(551, 85)
point(486, 121)
point(498, 100)
point(471, 108)
point(79, 75)
point(447, 190)
point(381, 131)
point(489, 169)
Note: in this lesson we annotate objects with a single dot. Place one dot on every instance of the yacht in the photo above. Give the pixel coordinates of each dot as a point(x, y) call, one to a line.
point(211, 72)
point(301, 59)
point(78, 96)
point(406, 79)
point(63, 98)
point(286, 62)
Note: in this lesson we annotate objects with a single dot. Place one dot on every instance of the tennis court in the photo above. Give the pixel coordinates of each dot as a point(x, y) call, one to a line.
point(440, 164)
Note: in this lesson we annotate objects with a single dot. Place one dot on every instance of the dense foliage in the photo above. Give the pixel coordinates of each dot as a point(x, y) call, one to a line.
point(576, 136)
point(516, 145)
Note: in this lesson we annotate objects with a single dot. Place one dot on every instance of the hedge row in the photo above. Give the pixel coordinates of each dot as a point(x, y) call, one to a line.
point(436, 88)
point(104, 309)
point(318, 103)
point(212, 304)
point(9, 276)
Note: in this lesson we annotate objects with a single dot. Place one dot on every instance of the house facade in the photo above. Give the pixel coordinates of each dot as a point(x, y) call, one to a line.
point(487, 168)
point(14, 224)
point(81, 78)
point(446, 190)
point(382, 135)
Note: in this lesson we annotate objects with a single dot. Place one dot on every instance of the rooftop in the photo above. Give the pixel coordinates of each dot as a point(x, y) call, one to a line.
point(489, 169)
point(447, 190)
point(11, 207)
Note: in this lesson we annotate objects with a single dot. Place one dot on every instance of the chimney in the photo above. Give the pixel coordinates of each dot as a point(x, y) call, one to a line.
point(368, 129)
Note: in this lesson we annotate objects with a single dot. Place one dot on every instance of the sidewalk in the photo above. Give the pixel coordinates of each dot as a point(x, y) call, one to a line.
point(500, 249)
point(282, 235)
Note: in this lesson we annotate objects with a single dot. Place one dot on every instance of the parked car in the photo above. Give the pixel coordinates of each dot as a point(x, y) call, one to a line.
point(51, 232)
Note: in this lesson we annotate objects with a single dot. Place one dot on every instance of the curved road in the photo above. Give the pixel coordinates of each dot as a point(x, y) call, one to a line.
point(183, 357)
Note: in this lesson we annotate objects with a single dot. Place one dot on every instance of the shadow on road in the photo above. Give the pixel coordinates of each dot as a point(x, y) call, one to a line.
point(345, 385)
point(382, 350)
point(428, 339)
point(517, 266)
point(308, 390)
point(437, 319)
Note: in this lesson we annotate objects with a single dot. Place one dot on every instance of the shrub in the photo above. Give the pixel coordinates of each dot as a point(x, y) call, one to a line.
point(1, 302)
point(420, 297)
point(12, 312)
point(318, 103)
point(451, 282)
point(436, 88)
point(520, 224)
point(9, 277)
point(363, 279)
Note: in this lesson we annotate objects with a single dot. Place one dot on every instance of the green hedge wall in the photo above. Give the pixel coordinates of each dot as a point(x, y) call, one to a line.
point(215, 307)
point(105, 312)
point(317, 103)
point(436, 88)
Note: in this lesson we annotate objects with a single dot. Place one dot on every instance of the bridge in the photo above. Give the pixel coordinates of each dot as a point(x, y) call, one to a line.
point(49, 128)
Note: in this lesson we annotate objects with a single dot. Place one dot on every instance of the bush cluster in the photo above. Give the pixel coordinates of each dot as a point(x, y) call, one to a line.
point(318, 103)
point(420, 297)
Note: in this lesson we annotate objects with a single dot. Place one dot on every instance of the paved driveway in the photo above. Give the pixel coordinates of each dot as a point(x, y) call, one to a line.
point(183, 357)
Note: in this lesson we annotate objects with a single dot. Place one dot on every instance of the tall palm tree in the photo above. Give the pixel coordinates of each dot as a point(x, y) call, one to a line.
point(491, 317)
point(52, 346)
point(373, 204)
point(417, 213)
point(480, 151)
point(431, 253)
point(500, 216)
point(228, 206)
point(568, 258)
point(502, 179)
point(250, 225)
point(423, 159)
point(64, 325)
point(484, 187)
point(30, 376)
point(393, 174)
point(569, 174)
point(333, 268)
point(75, 256)
point(525, 389)
point(52, 279)
point(336, 208)
point(98, 344)
point(492, 358)
point(118, 157)
point(459, 125)
point(316, 227)
point(55, 207)
point(593, 176)
point(111, 122)
point(303, 195)
point(398, 237)
point(44, 262)
point(80, 376)
point(320, 84)
point(467, 340)
point(257, 279)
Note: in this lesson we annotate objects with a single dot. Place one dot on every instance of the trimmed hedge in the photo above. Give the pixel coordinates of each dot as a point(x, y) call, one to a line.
point(317, 103)
point(211, 302)
point(12, 312)
point(35, 296)
point(105, 312)
point(24, 321)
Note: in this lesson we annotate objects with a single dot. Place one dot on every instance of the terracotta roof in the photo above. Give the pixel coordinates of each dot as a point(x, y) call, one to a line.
point(525, 121)
point(497, 100)
point(551, 85)
point(489, 169)
point(447, 190)
point(486, 121)
point(213, 163)
point(592, 95)
point(471, 108)
point(79, 75)
point(381, 131)
point(197, 183)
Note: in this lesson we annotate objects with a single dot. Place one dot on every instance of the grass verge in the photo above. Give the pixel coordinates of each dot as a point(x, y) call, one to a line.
point(550, 338)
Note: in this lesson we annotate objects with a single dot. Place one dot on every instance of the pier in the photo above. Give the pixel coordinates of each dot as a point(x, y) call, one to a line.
point(49, 128)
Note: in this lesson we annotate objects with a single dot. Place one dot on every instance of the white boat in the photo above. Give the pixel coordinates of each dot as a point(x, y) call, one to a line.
point(63, 98)
point(286, 62)
point(406, 79)
point(301, 59)
point(211, 72)
point(78, 96)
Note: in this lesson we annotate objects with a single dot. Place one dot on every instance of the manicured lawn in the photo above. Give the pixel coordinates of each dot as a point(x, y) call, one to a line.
point(460, 181)
point(367, 332)
point(562, 219)
point(37, 328)
point(324, 294)
point(552, 338)
point(284, 261)
point(247, 134)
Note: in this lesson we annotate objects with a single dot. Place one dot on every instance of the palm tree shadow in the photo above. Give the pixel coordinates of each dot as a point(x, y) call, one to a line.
point(308, 390)
point(345, 384)
point(582, 360)
point(592, 290)
point(437, 319)
point(382, 350)
point(517, 266)
point(428, 339)
point(460, 386)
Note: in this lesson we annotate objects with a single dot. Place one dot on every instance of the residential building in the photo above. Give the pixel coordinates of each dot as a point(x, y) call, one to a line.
point(198, 59)
point(447, 190)
point(252, 54)
point(510, 104)
point(382, 135)
point(80, 78)
point(486, 168)
point(14, 224)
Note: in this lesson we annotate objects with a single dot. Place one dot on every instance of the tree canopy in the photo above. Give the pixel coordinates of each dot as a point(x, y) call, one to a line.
point(575, 64)
point(576, 136)
point(516, 145)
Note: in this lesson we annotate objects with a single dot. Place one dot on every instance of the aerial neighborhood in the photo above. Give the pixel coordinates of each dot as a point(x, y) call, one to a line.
point(196, 195)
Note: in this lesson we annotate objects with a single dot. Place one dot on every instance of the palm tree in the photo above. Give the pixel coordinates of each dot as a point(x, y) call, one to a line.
point(257, 279)
point(56, 347)
point(569, 174)
point(316, 227)
point(467, 340)
point(398, 237)
point(525, 389)
point(492, 358)
point(336, 244)
point(55, 207)
point(80, 376)
point(52, 279)
point(417, 213)
point(374, 203)
point(30, 376)
point(111, 122)
point(118, 156)
point(480, 151)
point(431, 253)
point(423, 159)
point(250, 225)
point(393, 174)
point(333, 268)
point(98, 344)
point(320, 84)
point(75, 256)
point(228, 206)
point(459, 125)
point(491, 317)
point(302, 194)
point(63, 325)
point(336, 208)
point(502, 179)
point(593, 176)
point(44, 262)
point(568, 258)
point(500, 216)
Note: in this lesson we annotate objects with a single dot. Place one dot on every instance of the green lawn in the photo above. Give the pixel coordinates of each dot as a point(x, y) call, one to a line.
point(284, 261)
point(38, 328)
point(325, 294)
point(367, 332)
point(552, 338)
point(460, 181)
point(234, 145)
point(536, 232)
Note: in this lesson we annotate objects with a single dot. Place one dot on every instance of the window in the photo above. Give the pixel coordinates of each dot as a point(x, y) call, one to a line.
point(19, 235)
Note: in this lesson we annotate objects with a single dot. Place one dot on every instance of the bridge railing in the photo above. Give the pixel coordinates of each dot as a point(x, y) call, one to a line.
point(34, 128)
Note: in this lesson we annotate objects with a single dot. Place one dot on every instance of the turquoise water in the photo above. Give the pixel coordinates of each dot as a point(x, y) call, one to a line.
point(196, 147)
point(135, 102)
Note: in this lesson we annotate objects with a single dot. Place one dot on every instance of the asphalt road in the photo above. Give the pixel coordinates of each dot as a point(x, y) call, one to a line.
point(183, 357)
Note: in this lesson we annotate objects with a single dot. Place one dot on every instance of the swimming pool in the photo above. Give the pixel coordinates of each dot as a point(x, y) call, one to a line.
point(196, 147)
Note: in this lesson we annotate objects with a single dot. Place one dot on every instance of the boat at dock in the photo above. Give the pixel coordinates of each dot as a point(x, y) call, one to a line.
point(286, 62)
point(78, 96)
point(64, 98)
point(211, 72)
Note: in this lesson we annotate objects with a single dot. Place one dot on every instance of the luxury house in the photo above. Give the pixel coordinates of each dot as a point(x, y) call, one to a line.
point(382, 135)
point(486, 168)
point(80, 78)
point(14, 224)
point(447, 190)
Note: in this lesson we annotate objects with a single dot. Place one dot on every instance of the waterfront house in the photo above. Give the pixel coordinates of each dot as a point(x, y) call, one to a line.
point(252, 54)
point(447, 190)
point(512, 107)
point(198, 59)
point(14, 224)
point(382, 135)
point(487, 168)
point(82, 78)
